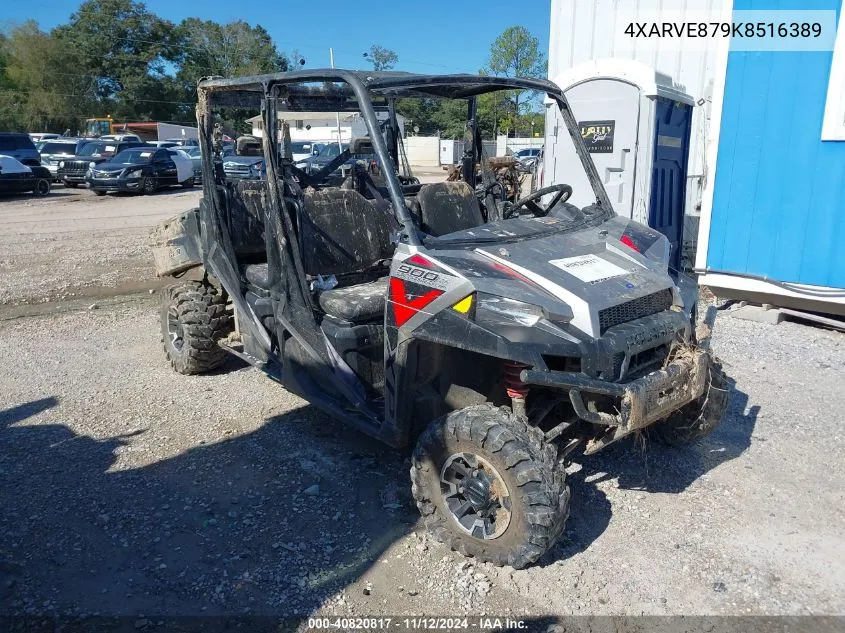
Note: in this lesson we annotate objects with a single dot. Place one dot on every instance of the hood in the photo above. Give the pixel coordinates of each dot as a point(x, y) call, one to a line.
point(581, 276)
point(114, 166)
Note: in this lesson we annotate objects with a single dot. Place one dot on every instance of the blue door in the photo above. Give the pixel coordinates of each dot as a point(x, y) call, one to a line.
point(669, 174)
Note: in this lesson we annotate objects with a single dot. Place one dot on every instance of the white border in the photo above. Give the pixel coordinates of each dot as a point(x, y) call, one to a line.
point(720, 76)
point(833, 126)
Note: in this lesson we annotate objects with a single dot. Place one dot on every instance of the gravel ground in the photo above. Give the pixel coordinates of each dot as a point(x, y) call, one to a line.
point(128, 489)
point(75, 244)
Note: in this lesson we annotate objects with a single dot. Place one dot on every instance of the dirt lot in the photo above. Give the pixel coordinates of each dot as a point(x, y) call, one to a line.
point(127, 489)
point(75, 244)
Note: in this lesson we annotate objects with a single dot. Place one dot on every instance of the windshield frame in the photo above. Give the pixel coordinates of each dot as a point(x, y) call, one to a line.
point(351, 91)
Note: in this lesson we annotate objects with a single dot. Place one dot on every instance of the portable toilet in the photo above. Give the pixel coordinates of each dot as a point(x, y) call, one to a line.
point(635, 123)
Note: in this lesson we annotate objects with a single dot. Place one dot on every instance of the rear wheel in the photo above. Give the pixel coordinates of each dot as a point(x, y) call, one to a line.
point(42, 187)
point(488, 486)
point(698, 418)
point(193, 320)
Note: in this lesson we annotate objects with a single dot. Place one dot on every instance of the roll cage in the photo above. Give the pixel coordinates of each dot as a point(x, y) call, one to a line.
point(357, 91)
point(279, 319)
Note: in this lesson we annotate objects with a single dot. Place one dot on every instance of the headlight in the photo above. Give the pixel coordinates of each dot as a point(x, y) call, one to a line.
point(61, 163)
point(91, 164)
point(493, 310)
point(134, 171)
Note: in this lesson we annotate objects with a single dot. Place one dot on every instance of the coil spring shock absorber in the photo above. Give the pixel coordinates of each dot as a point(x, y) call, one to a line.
point(516, 389)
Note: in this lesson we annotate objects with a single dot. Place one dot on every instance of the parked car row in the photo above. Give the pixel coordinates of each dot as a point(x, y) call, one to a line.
point(143, 169)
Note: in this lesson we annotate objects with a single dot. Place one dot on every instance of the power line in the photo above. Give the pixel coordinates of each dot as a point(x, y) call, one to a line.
point(69, 94)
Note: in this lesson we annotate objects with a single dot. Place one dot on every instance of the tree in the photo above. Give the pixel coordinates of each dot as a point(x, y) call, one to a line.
point(41, 85)
point(381, 58)
point(126, 50)
point(516, 53)
point(231, 50)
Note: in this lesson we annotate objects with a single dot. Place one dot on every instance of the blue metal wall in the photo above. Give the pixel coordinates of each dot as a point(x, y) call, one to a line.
point(779, 199)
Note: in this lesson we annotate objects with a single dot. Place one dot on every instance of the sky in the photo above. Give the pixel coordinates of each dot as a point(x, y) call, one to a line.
point(430, 36)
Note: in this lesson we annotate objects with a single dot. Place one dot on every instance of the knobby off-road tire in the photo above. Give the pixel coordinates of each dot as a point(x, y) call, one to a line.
point(98, 192)
point(193, 320)
point(539, 496)
point(700, 417)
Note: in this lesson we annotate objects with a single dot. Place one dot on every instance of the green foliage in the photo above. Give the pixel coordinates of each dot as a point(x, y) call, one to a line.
point(123, 48)
point(228, 50)
point(118, 58)
point(516, 53)
point(382, 58)
point(41, 86)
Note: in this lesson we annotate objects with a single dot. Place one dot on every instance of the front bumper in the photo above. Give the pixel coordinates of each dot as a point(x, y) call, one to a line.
point(637, 403)
point(114, 184)
point(70, 176)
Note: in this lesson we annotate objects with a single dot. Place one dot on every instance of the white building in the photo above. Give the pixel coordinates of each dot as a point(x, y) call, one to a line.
point(324, 126)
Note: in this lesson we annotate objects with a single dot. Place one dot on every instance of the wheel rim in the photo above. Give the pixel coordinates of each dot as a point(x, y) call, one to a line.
point(476, 495)
point(149, 185)
point(175, 330)
point(42, 187)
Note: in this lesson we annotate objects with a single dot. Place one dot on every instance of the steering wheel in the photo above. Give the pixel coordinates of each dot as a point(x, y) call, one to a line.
point(531, 201)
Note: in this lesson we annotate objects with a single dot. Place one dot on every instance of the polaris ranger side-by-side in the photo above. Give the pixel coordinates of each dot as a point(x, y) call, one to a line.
point(497, 334)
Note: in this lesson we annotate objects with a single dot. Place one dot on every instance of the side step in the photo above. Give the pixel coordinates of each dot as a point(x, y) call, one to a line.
point(236, 348)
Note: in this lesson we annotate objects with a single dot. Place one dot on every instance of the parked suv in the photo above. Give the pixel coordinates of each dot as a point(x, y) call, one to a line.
point(56, 150)
point(20, 147)
point(72, 169)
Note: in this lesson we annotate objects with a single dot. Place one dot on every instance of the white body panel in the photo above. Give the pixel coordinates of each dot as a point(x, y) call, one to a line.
point(184, 164)
point(171, 131)
point(10, 165)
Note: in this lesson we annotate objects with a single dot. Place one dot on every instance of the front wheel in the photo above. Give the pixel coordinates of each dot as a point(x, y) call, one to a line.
point(698, 418)
point(488, 486)
point(98, 192)
point(149, 186)
point(70, 185)
point(188, 183)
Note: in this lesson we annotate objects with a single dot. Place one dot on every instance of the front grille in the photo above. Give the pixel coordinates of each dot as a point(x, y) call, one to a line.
point(75, 167)
point(636, 309)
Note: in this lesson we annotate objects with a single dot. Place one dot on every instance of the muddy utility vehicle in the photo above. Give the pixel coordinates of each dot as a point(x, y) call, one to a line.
point(497, 335)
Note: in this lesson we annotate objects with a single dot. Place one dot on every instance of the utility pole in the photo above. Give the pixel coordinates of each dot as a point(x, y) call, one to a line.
point(336, 114)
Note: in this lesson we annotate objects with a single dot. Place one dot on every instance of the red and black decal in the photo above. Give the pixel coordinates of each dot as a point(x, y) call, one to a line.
point(409, 298)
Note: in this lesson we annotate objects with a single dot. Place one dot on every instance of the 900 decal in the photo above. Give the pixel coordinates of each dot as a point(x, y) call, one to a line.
point(424, 276)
